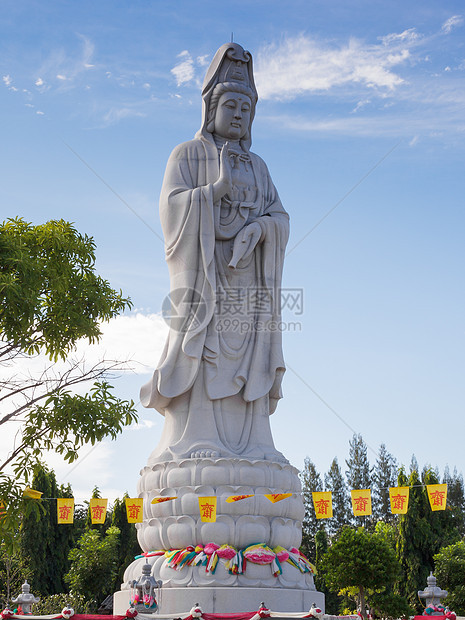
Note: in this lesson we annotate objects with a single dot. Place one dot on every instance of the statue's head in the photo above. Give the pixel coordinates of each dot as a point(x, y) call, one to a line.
point(230, 109)
point(229, 83)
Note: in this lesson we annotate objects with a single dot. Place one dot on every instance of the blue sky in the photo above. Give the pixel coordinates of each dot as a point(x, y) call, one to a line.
point(361, 123)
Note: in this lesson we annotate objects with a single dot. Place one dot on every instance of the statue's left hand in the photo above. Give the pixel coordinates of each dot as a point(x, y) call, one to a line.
point(245, 243)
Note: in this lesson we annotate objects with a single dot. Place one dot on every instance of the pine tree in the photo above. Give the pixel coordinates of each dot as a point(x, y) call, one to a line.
point(456, 497)
point(358, 474)
point(384, 476)
point(311, 481)
point(414, 465)
point(335, 483)
point(422, 533)
point(359, 471)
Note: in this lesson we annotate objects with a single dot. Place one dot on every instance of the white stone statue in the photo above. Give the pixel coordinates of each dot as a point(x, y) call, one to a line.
point(225, 231)
point(219, 377)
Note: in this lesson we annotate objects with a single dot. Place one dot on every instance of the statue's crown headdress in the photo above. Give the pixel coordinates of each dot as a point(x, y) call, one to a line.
point(234, 66)
point(232, 63)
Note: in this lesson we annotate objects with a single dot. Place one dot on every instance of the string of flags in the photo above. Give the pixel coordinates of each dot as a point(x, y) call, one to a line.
point(361, 500)
point(322, 503)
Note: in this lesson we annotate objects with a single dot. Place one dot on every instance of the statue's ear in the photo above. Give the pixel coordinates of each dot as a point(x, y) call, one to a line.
point(211, 126)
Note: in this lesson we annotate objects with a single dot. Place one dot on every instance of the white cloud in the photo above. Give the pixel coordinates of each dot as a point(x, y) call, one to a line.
point(202, 61)
point(143, 425)
point(409, 36)
point(66, 66)
point(117, 114)
point(7, 80)
point(391, 126)
point(184, 70)
point(452, 22)
point(39, 82)
point(135, 336)
point(138, 337)
point(361, 104)
point(146, 86)
point(40, 113)
point(95, 467)
point(303, 65)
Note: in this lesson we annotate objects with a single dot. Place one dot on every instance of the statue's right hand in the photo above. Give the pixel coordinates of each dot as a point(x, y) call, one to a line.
point(223, 185)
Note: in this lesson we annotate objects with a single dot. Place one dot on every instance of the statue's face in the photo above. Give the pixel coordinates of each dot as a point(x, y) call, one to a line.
point(232, 118)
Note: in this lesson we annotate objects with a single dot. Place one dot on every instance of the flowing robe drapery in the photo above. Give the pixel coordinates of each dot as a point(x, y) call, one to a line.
point(217, 381)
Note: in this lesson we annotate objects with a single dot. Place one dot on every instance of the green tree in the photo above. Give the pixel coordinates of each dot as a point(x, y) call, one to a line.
point(335, 483)
point(384, 476)
point(450, 573)
point(422, 533)
point(128, 546)
point(456, 497)
point(414, 465)
point(94, 566)
point(13, 572)
point(50, 297)
point(311, 481)
point(332, 600)
point(49, 605)
point(388, 532)
point(358, 473)
point(360, 563)
point(101, 527)
point(44, 544)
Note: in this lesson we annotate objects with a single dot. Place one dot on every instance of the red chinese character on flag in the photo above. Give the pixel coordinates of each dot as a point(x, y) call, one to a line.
point(361, 504)
point(437, 495)
point(207, 510)
point(437, 498)
point(322, 506)
point(97, 512)
point(64, 511)
point(398, 501)
point(133, 511)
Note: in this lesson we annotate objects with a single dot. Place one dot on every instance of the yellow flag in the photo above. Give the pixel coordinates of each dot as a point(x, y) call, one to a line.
point(361, 502)
point(277, 497)
point(207, 506)
point(437, 494)
point(98, 510)
point(160, 500)
point(236, 498)
point(65, 510)
point(399, 500)
point(323, 504)
point(134, 509)
point(32, 493)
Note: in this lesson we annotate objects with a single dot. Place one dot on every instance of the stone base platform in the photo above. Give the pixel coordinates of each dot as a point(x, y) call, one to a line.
point(178, 601)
